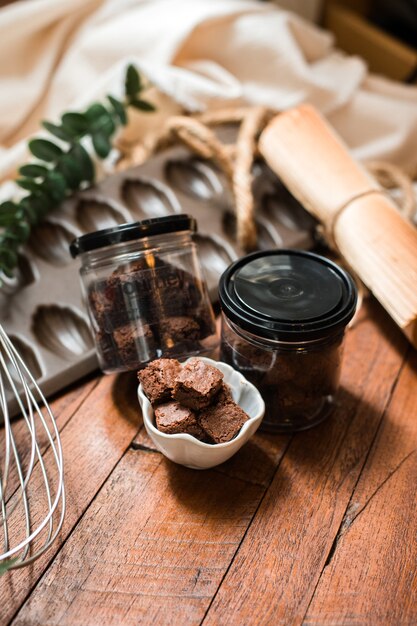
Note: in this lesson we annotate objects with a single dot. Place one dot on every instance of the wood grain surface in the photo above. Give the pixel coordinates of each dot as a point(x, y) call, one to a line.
point(379, 531)
point(93, 441)
point(316, 528)
point(289, 542)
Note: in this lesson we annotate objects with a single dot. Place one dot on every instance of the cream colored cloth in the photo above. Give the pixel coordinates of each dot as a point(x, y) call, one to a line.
point(57, 55)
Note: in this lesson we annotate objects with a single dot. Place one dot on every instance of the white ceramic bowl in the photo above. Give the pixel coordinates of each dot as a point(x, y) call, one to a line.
point(187, 450)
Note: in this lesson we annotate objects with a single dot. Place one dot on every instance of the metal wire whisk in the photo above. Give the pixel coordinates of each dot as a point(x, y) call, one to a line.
point(32, 493)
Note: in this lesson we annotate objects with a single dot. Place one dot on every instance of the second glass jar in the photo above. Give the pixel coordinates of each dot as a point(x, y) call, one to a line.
point(283, 324)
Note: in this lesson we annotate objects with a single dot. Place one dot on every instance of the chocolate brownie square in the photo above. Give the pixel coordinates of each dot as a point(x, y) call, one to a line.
point(158, 379)
point(175, 291)
point(222, 421)
point(101, 304)
point(107, 350)
point(197, 383)
point(177, 329)
point(172, 418)
point(124, 296)
point(135, 343)
point(225, 394)
point(204, 317)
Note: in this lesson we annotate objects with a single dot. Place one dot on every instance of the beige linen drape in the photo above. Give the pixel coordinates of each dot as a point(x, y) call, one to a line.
point(59, 54)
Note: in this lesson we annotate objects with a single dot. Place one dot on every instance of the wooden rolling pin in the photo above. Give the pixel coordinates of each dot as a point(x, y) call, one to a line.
point(363, 223)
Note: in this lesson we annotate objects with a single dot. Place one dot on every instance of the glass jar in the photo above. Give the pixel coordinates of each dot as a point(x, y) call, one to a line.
point(145, 294)
point(283, 323)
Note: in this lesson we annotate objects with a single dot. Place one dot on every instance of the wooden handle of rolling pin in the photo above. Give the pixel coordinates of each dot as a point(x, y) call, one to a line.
point(376, 241)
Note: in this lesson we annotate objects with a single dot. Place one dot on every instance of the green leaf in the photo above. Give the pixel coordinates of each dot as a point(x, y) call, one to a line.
point(119, 109)
point(76, 123)
point(29, 184)
point(132, 82)
point(40, 204)
point(28, 206)
point(44, 150)
point(58, 131)
point(101, 144)
point(104, 125)
point(80, 154)
point(32, 170)
point(8, 211)
point(70, 169)
point(95, 111)
point(21, 230)
point(55, 186)
point(142, 105)
point(100, 120)
point(8, 257)
point(6, 565)
point(11, 237)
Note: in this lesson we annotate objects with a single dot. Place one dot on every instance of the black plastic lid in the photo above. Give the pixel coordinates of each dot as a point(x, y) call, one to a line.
point(287, 295)
point(131, 231)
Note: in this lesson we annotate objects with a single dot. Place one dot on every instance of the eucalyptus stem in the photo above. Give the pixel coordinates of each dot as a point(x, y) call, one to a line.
point(65, 166)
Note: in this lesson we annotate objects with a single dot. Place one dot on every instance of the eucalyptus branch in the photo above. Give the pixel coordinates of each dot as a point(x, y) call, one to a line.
point(64, 167)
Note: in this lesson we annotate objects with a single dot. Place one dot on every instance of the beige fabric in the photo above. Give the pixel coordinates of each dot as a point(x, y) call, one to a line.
point(59, 54)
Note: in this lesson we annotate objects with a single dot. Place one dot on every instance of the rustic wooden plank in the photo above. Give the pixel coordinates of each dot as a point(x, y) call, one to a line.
point(275, 571)
point(261, 455)
point(93, 442)
point(153, 547)
point(63, 408)
point(157, 540)
point(372, 576)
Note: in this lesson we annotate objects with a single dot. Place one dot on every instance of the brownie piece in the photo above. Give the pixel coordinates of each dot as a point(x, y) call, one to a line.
point(176, 329)
point(126, 295)
point(222, 421)
point(101, 303)
point(175, 291)
point(206, 322)
point(197, 383)
point(172, 418)
point(251, 361)
point(107, 350)
point(225, 394)
point(135, 343)
point(158, 379)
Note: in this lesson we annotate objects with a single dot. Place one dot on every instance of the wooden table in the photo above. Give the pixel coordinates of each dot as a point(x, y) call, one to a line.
point(317, 528)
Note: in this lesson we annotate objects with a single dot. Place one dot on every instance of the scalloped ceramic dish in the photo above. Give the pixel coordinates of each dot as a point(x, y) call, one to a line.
point(189, 451)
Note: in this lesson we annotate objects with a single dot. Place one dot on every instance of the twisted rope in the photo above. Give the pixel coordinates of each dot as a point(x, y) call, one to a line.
point(236, 160)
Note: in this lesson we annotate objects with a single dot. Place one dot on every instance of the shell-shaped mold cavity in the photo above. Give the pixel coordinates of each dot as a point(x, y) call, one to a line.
point(263, 177)
point(267, 236)
point(283, 208)
point(62, 331)
point(214, 257)
point(25, 271)
point(29, 357)
point(145, 199)
point(92, 215)
point(50, 242)
point(24, 275)
point(194, 178)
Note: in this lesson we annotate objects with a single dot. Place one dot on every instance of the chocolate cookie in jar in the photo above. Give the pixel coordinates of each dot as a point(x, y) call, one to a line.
point(145, 293)
point(284, 316)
